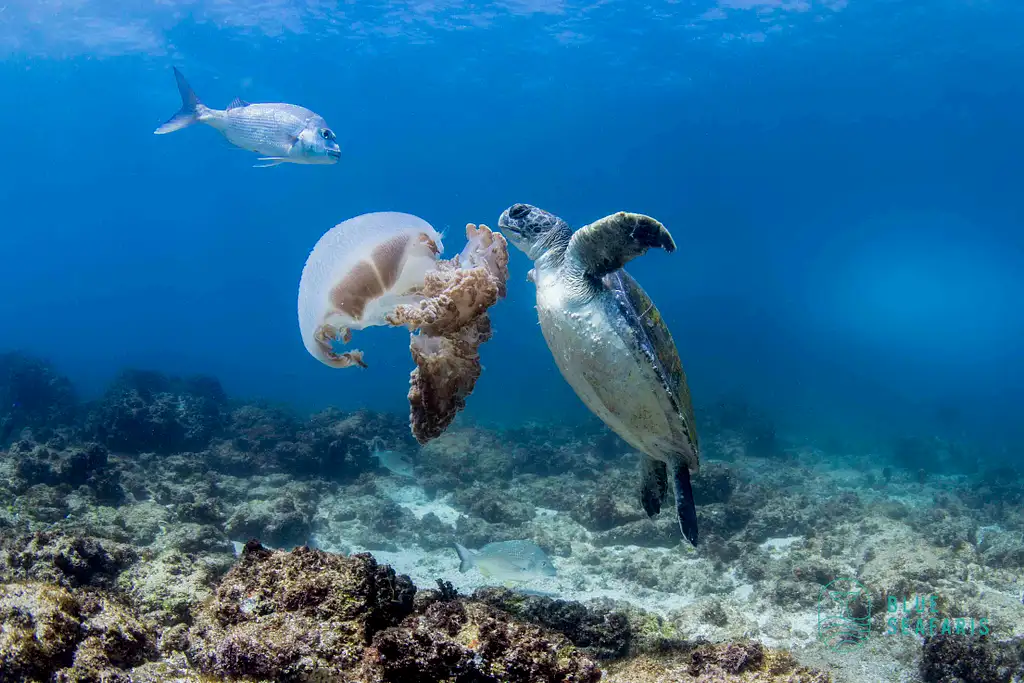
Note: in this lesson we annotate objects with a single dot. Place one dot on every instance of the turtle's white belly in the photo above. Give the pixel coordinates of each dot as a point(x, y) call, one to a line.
point(622, 390)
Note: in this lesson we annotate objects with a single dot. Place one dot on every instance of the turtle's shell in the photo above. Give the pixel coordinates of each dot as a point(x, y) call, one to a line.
point(655, 343)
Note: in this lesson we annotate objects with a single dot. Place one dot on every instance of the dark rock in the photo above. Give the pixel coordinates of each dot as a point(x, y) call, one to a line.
point(146, 411)
point(731, 659)
point(601, 634)
point(284, 522)
point(954, 658)
point(73, 467)
point(339, 446)
point(476, 643)
point(480, 501)
point(713, 484)
point(70, 561)
point(605, 511)
point(33, 396)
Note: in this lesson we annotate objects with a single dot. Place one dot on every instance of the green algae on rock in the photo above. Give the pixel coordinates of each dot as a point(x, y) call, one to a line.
point(748, 662)
point(49, 633)
point(600, 634)
point(296, 615)
point(470, 641)
point(308, 615)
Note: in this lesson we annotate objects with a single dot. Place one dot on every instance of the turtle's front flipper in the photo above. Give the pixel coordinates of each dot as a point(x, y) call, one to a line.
point(685, 508)
point(653, 484)
point(606, 245)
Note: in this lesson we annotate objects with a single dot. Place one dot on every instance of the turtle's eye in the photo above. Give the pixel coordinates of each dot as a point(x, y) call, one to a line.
point(326, 133)
point(518, 211)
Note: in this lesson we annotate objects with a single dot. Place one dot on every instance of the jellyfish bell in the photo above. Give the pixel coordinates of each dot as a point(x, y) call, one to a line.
point(359, 271)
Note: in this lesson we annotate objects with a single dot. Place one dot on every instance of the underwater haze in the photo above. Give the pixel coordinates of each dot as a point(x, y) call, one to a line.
point(842, 179)
point(199, 482)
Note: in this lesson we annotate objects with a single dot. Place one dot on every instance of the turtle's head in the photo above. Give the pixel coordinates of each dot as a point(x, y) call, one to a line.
point(533, 230)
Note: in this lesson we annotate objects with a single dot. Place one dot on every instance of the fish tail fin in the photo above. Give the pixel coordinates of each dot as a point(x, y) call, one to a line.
point(465, 558)
point(190, 106)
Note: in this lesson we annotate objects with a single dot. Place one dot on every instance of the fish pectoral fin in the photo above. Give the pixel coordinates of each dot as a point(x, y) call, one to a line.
point(270, 161)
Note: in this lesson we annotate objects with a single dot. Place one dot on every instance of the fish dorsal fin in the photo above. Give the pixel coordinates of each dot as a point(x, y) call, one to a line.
point(236, 103)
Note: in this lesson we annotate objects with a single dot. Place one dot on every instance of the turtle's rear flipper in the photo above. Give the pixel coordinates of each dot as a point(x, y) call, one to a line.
point(653, 484)
point(608, 244)
point(685, 508)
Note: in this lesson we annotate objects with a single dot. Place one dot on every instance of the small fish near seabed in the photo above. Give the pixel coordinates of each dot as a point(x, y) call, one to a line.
point(282, 133)
point(510, 562)
point(393, 461)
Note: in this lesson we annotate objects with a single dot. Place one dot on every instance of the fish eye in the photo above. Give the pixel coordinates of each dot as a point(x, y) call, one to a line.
point(326, 133)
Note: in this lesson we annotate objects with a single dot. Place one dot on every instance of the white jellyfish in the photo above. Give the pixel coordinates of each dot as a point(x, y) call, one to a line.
point(385, 269)
point(357, 273)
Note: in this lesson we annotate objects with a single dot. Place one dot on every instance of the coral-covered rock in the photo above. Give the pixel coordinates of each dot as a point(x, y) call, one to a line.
point(601, 634)
point(744, 662)
point(146, 411)
point(478, 502)
point(298, 615)
point(606, 510)
point(166, 587)
point(308, 615)
point(714, 484)
point(338, 446)
point(49, 633)
point(284, 522)
point(933, 454)
point(73, 467)
point(39, 629)
point(65, 560)
point(951, 658)
point(259, 428)
point(660, 531)
point(996, 490)
point(552, 448)
point(34, 396)
point(453, 640)
point(258, 439)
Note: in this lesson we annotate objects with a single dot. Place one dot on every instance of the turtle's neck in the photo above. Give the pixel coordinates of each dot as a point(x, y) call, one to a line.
point(549, 251)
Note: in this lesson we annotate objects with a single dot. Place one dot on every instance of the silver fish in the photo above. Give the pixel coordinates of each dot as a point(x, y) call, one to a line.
point(396, 463)
point(282, 133)
point(508, 561)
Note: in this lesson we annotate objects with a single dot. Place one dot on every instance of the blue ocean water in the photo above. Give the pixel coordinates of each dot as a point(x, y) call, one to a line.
point(841, 176)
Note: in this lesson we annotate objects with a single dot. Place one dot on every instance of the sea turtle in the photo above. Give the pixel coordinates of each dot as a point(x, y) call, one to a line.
point(610, 342)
